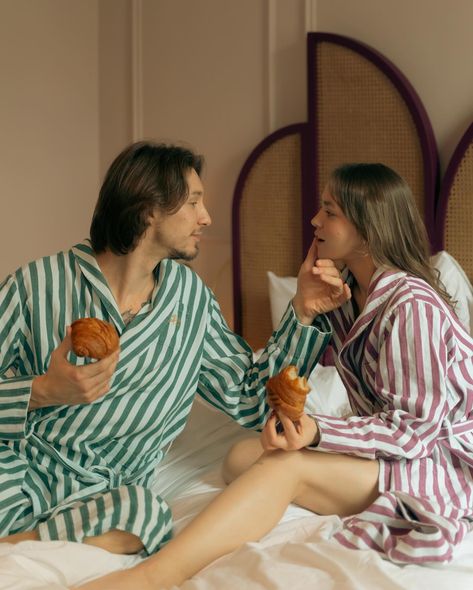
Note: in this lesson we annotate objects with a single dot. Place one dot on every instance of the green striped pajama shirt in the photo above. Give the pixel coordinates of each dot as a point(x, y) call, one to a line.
point(78, 471)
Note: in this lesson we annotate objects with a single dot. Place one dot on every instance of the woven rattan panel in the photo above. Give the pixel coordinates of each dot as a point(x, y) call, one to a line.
point(270, 231)
point(459, 219)
point(361, 117)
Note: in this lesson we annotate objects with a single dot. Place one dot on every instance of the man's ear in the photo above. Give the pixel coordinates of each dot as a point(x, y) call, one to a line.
point(155, 214)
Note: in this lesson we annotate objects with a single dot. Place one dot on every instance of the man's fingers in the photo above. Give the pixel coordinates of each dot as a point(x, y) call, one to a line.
point(333, 282)
point(66, 345)
point(102, 366)
point(325, 262)
point(311, 254)
point(327, 270)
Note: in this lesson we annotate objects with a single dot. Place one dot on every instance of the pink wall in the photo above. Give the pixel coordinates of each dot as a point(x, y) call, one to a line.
point(81, 79)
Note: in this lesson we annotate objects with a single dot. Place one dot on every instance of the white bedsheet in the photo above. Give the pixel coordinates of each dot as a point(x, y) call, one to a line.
point(297, 554)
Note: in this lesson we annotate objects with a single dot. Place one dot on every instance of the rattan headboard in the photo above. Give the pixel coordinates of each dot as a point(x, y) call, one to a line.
point(455, 211)
point(361, 108)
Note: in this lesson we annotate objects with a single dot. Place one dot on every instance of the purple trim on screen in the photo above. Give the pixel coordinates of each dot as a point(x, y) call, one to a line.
point(447, 183)
point(297, 128)
point(412, 100)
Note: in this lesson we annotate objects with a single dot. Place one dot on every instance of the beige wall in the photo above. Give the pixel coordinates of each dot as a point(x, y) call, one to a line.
point(80, 79)
point(431, 41)
point(49, 152)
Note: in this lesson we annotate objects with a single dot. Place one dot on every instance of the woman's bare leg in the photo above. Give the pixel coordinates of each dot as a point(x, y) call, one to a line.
point(250, 507)
point(241, 457)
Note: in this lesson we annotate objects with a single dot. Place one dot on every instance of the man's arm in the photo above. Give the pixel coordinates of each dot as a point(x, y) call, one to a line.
point(62, 384)
point(232, 382)
point(14, 390)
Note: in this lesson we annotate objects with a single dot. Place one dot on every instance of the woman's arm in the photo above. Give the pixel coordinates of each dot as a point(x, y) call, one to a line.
point(411, 384)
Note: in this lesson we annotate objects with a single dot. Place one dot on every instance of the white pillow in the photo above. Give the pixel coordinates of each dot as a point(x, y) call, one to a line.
point(458, 286)
point(283, 289)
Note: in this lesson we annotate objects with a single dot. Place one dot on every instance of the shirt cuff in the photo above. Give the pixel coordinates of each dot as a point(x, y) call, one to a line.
point(15, 396)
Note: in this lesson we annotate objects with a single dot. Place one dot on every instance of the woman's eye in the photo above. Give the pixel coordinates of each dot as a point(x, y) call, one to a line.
point(193, 203)
point(330, 214)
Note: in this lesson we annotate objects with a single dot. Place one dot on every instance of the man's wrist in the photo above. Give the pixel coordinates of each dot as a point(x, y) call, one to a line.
point(37, 393)
point(302, 318)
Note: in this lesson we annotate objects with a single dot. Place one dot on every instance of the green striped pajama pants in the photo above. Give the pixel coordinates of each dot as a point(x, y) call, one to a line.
point(130, 508)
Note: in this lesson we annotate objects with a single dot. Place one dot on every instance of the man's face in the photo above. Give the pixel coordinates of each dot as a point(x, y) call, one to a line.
point(178, 235)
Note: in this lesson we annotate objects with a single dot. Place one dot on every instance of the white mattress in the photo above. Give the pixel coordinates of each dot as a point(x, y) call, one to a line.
point(297, 554)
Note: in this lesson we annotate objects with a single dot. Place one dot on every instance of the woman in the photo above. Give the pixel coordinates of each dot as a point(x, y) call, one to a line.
point(406, 454)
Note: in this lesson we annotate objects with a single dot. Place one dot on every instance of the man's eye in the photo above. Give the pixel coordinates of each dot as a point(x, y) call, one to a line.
point(330, 214)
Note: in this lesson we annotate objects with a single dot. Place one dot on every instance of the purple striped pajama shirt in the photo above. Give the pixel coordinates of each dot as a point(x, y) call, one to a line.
point(406, 362)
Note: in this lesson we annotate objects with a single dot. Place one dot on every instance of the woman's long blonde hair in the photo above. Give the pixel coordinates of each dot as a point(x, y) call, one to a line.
point(380, 205)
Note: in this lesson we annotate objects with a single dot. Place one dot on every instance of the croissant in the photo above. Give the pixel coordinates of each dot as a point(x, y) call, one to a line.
point(94, 338)
point(287, 392)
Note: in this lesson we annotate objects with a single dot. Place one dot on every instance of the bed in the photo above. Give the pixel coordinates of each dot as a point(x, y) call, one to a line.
point(353, 93)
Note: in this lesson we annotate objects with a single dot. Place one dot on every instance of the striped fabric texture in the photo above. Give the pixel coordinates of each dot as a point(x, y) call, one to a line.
point(79, 471)
point(406, 362)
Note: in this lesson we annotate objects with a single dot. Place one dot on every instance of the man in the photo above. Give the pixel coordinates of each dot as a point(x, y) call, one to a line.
point(80, 441)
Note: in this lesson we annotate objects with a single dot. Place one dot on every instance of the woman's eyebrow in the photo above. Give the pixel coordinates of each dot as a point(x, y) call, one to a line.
point(328, 204)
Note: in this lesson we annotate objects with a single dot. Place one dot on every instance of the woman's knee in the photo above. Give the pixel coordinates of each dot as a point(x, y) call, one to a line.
point(241, 457)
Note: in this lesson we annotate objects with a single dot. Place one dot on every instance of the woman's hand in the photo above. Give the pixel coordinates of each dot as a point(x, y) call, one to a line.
point(294, 436)
point(320, 287)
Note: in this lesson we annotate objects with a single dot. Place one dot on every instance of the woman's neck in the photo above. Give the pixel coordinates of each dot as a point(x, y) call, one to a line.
point(362, 271)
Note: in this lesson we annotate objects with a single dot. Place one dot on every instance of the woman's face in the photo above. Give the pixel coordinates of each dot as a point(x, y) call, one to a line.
point(337, 238)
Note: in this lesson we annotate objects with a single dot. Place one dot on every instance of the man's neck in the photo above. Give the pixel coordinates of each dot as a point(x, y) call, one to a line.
point(130, 278)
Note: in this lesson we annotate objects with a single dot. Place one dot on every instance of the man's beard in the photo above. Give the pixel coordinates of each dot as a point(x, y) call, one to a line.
point(181, 255)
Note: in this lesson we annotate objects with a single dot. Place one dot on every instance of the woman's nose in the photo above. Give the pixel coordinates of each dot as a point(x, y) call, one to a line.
point(315, 221)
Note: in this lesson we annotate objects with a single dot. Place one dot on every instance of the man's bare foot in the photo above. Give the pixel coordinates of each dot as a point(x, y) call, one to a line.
point(18, 537)
point(116, 541)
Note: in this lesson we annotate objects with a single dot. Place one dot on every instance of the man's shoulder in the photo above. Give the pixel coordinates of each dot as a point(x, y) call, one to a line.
point(50, 264)
point(184, 271)
point(188, 278)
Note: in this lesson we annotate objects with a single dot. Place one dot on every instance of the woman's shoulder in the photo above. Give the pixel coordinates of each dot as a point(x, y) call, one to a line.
point(414, 295)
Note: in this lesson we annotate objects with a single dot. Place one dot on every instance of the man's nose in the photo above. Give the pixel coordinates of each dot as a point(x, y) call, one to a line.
point(205, 218)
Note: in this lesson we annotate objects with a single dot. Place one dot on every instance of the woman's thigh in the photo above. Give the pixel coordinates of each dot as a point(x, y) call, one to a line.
point(327, 483)
point(241, 457)
point(336, 484)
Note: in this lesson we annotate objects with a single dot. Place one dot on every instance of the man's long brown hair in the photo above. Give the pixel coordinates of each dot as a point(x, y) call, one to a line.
point(144, 176)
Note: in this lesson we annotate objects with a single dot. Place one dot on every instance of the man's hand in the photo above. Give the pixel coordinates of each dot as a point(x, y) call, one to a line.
point(67, 384)
point(320, 287)
point(294, 436)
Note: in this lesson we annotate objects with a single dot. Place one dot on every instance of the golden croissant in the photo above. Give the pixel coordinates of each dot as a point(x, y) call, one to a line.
point(94, 338)
point(287, 392)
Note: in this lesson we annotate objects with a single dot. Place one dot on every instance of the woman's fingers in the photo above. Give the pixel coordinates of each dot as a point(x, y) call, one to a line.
point(268, 433)
point(290, 431)
point(271, 439)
